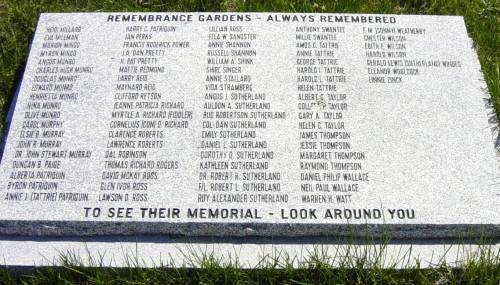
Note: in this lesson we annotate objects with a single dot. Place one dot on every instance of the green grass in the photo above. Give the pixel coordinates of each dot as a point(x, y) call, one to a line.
point(359, 264)
point(17, 23)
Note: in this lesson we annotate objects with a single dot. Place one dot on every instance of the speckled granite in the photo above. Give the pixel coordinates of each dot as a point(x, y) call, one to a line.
point(255, 124)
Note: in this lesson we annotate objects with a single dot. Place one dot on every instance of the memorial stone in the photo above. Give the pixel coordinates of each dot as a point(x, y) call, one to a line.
point(250, 124)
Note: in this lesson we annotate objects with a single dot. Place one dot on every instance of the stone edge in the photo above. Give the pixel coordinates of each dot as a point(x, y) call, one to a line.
point(398, 231)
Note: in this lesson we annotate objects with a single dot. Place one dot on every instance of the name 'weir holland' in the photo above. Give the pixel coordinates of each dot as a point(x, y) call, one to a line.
point(250, 124)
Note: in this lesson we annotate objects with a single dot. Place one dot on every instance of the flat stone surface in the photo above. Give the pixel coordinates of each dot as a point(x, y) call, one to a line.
point(248, 252)
point(255, 124)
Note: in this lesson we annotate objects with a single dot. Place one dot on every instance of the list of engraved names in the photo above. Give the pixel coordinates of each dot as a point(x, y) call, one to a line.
point(211, 116)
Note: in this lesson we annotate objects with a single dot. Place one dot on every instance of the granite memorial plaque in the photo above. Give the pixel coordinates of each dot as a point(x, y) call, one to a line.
point(250, 124)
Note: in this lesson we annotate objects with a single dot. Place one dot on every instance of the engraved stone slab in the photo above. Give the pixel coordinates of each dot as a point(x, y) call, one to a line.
point(250, 124)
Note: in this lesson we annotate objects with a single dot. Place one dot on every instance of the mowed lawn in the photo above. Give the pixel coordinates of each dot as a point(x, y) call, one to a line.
point(17, 23)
